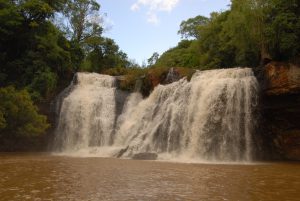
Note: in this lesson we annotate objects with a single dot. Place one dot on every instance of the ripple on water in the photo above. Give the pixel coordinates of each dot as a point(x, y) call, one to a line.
point(42, 177)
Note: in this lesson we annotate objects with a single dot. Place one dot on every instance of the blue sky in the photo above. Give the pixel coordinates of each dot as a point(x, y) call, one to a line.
point(141, 27)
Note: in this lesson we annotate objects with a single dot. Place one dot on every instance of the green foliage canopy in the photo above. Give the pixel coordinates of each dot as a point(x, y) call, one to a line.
point(189, 28)
point(83, 19)
point(247, 34)
point(184, 55)
point(18, 116)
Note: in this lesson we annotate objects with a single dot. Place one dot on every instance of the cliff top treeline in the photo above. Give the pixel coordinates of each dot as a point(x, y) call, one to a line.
point(43, 42)
point(250, 33)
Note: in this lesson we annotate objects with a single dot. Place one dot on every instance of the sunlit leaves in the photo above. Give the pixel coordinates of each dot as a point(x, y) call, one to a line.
point(190, 27)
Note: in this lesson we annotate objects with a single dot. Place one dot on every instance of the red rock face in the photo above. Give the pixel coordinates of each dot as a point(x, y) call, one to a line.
point(154, 80)
point(281, 109)
point(282, 78)
point(158, 76)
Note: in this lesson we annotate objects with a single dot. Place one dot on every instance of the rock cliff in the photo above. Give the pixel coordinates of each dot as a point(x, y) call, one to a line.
point(280, 115)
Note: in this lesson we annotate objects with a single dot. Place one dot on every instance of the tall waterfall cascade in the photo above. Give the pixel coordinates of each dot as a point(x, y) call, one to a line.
point(209, 118)
point(87, 114)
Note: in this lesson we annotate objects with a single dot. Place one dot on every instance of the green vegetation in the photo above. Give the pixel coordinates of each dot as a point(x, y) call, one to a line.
point(250, 33)
point(18, 115)
point(184, 55)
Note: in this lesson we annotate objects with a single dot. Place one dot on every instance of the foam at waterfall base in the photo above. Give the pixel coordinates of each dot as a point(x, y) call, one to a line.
point(111, 152)
point(103, 152)
point(174, 158)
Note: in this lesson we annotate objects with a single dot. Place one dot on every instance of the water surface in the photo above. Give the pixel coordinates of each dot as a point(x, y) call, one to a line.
point(59, 178)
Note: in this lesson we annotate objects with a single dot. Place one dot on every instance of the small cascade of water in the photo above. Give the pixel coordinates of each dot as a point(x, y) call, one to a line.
point(172, 76)
point(138, 85)
point(208, 118)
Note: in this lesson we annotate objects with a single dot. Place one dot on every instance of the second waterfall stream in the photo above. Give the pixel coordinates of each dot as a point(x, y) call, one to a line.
point(209, 118)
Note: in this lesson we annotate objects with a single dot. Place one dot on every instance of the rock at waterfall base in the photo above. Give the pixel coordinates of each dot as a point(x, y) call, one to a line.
point(145, 156)
point(121, 152)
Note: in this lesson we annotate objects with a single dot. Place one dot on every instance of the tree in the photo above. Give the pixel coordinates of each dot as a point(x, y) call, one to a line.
point(56, 5)
point(18, 115)
point(2, 119)
point(152, 60)
point(83, 20)
point(283, 29)
point(189, 28)
point(185, 54)
point(31, 46)
point(246, 25)
point(43, 84)
point(215, 45)
point(35, 11)
point(104, 54)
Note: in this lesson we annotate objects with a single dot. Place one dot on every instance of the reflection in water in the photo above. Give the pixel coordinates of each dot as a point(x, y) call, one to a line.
point(45, 177)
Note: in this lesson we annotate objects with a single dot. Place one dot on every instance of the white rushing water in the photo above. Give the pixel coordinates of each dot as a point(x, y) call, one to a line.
point(209, 118)
point(87, 115)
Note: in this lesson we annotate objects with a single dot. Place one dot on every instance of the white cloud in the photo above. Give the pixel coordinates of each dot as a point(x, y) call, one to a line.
point(135, 7)
point(155, 6)
point(152, 18)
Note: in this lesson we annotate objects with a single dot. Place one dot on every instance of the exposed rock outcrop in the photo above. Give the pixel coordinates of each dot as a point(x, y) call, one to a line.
point(280, 118)
point(281, 79)
point(145, 156)
point(121, 152)
point(164, 76)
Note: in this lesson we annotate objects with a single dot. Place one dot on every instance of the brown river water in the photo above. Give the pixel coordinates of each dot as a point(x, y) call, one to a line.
point(59, 178)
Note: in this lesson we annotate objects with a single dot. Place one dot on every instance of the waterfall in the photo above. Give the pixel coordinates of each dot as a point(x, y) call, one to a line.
point(209, 117)
point(87, 114)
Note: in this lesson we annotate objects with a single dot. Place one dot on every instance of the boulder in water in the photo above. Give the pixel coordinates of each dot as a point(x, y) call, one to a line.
point(121, 152)
point(145, 156)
